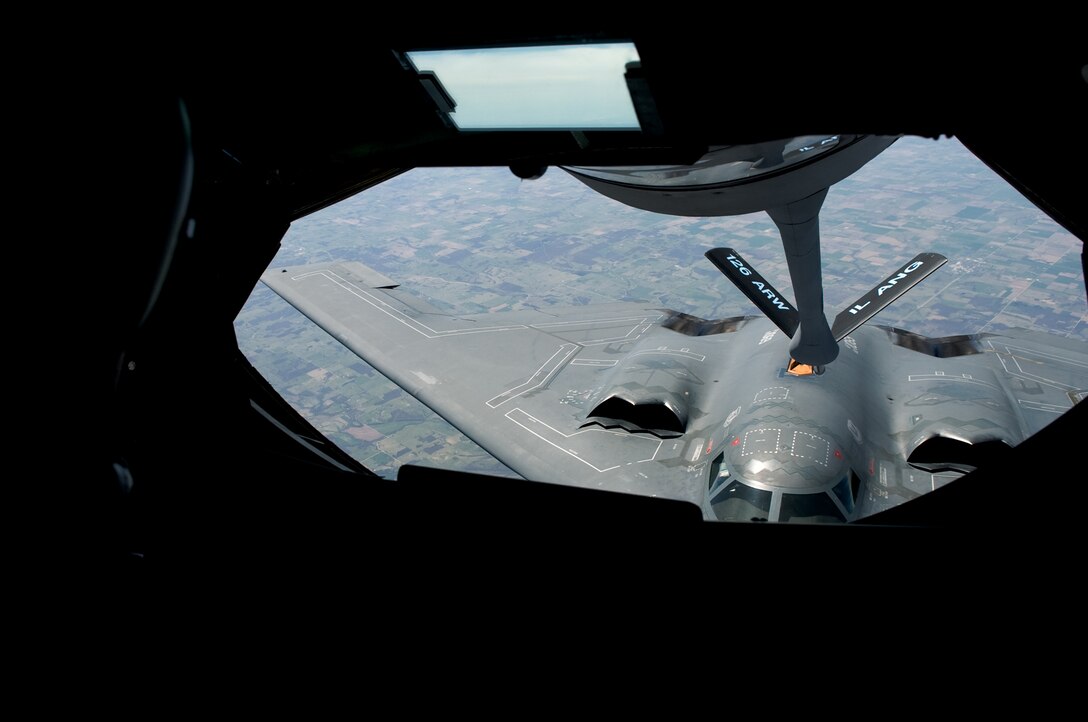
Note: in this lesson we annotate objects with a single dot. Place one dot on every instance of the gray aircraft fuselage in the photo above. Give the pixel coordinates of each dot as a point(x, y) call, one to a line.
point(790, 434)
point(639, 399)
point(634, 398)
point(759, 425)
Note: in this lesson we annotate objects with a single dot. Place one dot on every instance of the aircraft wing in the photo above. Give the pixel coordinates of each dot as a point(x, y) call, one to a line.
point(596, 396)
point(633, 398)
point(953, 404)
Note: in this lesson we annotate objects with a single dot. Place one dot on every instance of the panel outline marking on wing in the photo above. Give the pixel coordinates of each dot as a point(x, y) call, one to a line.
point(397, 315)
point(574, 454)
point(665, 351)
point(644, 323)
point(1019, 372)
point(570, 349)
point(595, 362)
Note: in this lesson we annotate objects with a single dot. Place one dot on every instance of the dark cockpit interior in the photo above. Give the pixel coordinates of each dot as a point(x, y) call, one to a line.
point(175, 447)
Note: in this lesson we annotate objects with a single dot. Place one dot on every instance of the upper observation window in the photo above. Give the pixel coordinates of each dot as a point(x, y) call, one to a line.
point(557, 87)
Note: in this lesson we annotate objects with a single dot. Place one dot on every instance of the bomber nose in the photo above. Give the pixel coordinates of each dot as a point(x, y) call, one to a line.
point(731, 498)
point(781, 469)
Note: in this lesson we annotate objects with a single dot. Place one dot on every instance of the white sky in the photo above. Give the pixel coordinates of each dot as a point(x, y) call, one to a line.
point(556, 87)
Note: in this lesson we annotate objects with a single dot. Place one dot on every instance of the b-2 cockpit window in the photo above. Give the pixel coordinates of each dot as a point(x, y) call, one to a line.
point(845, 494)
point(740, 502)
point(809, 508)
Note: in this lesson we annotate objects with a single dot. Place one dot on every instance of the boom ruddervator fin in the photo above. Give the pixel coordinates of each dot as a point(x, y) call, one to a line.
point(758, 289)
point(885, 292)
point(773, 305)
